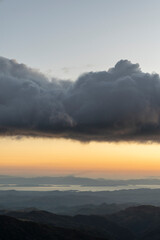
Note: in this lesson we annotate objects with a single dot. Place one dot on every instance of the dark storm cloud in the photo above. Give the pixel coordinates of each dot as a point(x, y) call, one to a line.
point(122, 103)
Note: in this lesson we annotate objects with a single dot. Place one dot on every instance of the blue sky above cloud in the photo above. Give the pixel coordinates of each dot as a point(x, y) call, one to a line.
point(54, 35)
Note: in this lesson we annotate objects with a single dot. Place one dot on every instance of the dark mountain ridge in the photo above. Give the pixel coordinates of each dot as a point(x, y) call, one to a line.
point(140, 220)
point(134, 223)
point(13, 229)
point(98, 226)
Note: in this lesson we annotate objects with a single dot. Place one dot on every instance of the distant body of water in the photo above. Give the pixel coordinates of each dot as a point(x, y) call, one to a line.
point(50, 187)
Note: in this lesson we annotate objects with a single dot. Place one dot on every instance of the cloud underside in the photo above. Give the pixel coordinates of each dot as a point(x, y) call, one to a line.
point(122, 103)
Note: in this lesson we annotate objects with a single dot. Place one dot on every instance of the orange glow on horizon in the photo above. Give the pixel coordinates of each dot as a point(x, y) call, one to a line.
point(59, 156)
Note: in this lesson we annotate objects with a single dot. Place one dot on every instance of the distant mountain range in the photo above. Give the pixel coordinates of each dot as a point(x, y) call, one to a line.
point(91, 209)
point(72, 180)
point(73, 202)
point(67, 215)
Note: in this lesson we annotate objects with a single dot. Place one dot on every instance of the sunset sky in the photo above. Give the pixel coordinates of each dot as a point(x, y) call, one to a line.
point(80, 127)
point(64, 157)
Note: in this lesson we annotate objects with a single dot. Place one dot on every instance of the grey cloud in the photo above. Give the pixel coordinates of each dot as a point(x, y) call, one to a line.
point(122, 103)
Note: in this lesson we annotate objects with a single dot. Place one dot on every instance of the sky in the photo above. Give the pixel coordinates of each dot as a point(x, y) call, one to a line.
point(86, 127)
point(66, 38)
